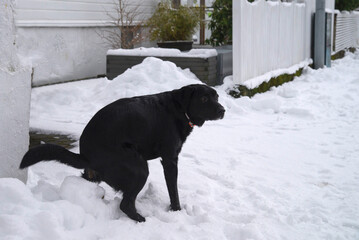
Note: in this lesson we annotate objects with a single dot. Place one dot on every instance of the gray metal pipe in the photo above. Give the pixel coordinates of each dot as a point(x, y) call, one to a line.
point(319, 34)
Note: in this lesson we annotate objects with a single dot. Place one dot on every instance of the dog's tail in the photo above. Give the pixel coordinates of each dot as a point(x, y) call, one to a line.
point(48, 152)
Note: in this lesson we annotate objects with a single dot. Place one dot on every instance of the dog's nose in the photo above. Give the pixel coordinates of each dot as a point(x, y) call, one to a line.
point(221, 112)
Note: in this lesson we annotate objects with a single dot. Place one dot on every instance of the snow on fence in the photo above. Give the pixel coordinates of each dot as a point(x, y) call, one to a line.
point(346, 33)
point(268, 36)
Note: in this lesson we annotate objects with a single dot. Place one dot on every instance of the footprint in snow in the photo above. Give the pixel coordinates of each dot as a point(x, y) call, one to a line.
point(299, 112)
point(218, 179)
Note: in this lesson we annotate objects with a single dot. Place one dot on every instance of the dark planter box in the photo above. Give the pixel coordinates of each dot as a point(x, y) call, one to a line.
point(204, 68)
point(211, 70)
point(181, 45)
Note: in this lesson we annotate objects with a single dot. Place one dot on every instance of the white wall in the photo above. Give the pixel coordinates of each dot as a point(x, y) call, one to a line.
point(15, 92)
point(60, 13)
point(61, 39)
point(62, 54)
point(269, 35)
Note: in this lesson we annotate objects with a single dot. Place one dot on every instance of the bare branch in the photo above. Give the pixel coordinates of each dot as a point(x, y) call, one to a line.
point(127, 20)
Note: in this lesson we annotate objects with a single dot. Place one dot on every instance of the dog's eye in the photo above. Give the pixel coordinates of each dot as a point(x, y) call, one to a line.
point(204, 99)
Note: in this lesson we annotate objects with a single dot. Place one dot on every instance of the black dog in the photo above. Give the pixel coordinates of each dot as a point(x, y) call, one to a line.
point(117, 142)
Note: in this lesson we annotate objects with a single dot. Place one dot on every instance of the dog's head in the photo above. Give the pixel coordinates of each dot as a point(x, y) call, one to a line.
point(200, 103)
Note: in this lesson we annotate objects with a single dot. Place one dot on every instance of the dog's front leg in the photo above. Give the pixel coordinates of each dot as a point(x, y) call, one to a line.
point(171, 172)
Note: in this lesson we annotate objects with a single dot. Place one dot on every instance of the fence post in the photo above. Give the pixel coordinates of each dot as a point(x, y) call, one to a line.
point(319, 34)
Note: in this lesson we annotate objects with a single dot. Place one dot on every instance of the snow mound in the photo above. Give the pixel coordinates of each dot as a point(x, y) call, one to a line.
point(75, 104)
point(86, 194)
point(45, 191)
point(152, 76)
point(22, 215)
point(13, 191)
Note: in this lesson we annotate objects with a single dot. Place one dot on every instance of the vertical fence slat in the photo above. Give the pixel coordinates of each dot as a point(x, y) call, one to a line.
point(236, 13)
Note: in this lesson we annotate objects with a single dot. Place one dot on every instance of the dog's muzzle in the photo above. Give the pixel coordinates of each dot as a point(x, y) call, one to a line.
point(220, 112)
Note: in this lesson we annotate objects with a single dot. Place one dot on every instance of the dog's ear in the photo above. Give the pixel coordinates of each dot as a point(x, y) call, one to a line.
point(182, 97)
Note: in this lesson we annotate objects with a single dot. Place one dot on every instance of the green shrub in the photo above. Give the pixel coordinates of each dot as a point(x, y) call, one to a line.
point(347, 5)
point(169, 24)
point(221, 23)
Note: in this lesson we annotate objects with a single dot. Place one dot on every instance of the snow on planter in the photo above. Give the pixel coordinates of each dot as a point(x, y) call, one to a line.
point(202, 62)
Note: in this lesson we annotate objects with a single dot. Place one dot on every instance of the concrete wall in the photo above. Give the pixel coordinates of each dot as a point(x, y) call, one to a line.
point(15, 92)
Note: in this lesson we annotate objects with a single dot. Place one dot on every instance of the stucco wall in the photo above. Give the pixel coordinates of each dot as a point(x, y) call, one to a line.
point(14, 121)
point(15, 92)
point(62, 54)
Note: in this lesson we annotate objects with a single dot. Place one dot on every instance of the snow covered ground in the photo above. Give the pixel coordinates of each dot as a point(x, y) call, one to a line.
point(282, 165)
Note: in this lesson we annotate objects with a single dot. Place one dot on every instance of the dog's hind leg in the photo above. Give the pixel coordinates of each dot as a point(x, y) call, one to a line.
point(138, 177)
point(128, 202)
point(128, 174)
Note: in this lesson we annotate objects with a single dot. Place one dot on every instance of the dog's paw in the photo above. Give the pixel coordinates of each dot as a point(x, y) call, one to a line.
point(139, 218)
point(175, 208)
point(136, 217)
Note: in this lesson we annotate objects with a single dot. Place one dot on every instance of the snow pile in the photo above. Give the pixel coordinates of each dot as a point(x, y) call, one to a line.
point(151, 76)
point(32, 214)
point(163, 52)
point(75, 104)
point(281, 165)
point(89, 196)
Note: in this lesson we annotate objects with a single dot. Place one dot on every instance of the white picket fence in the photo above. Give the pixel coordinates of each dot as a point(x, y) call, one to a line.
point(268, 36)
point(346, 31)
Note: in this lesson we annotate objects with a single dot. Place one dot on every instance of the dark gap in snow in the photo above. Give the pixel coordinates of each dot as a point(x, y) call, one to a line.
point(65, 141)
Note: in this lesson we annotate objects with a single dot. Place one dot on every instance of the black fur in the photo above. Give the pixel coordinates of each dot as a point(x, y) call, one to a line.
point(47, 152)
point(117, 142)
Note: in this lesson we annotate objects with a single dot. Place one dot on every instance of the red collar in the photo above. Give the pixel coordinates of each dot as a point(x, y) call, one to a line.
point(189, 121)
